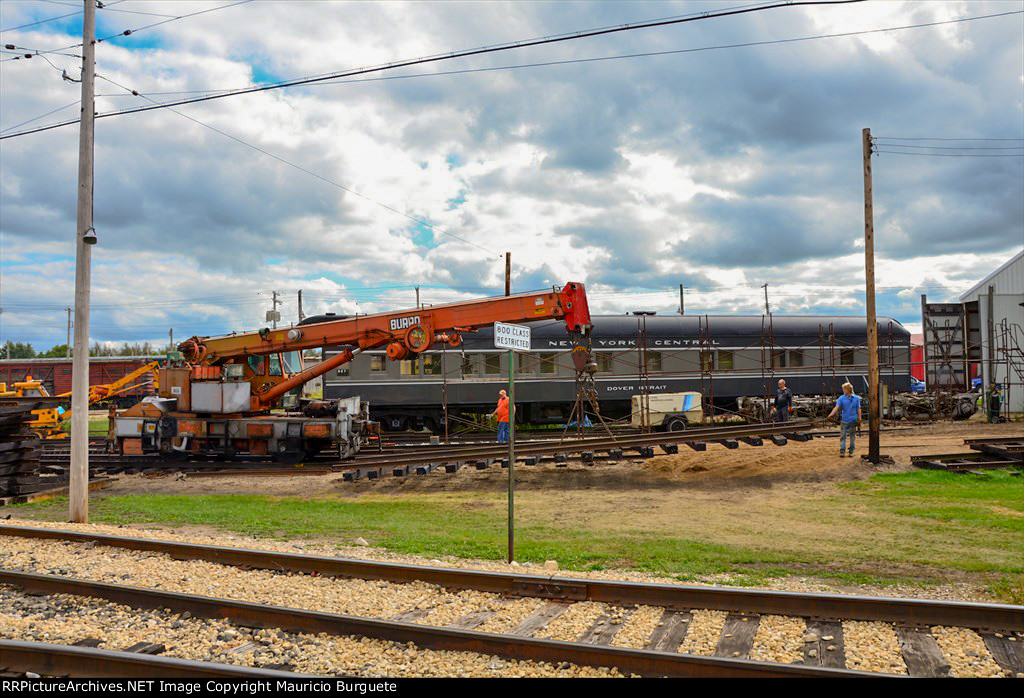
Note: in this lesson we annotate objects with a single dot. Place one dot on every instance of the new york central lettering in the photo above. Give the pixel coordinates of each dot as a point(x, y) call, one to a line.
point(401, 323)
point(609, 343)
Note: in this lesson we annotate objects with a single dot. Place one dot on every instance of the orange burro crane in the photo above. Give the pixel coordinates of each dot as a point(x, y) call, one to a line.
point(220, 400)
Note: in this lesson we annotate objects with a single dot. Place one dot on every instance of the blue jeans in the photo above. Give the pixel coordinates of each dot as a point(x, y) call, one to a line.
point(502, 432)
point(844, 429)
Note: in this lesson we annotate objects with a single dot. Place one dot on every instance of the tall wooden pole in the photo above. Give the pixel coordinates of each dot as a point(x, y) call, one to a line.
point(78, 493)
point(508, 273)
point(874, 400)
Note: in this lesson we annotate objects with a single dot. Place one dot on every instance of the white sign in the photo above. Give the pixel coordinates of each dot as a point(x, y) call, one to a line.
point(514, 337)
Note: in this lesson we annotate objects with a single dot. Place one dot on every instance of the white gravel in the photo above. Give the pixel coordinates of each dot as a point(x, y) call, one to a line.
point(951, 591)
point(67, 619)
point(872, 647)
point(779, 639)
point(869, 646)
point(704, 632)
point(966, 652)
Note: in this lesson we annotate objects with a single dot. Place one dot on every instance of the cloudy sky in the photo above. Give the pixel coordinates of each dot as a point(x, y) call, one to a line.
point(726, 157)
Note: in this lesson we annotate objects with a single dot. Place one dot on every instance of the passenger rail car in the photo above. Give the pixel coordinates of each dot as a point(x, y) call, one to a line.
point(723, 357)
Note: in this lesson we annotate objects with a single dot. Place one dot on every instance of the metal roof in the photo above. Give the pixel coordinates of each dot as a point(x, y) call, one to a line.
point(1012, 280)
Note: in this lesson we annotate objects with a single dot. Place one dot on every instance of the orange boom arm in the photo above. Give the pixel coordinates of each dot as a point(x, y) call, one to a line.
point(403, 333)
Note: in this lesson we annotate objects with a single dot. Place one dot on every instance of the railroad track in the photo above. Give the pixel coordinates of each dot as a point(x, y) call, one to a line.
point(986, 452)
point(666, 615)
point(421, 460)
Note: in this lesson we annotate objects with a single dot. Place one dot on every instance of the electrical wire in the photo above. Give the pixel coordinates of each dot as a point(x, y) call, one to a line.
point(950, 155)
point(107, 6)
point(893, 138)
point(960, 147)
point(71, 104)
point(329, 81)
point(420, 221)
point(461, 54)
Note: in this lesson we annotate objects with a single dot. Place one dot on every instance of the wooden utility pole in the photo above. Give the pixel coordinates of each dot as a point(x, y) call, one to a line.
point(682, 304)
point(85, 237)
point(508, 273)
point(68, 353)
point(274, 306)
point(766, 311)
point(874, 400)
point(301, 315)
point(170, 338)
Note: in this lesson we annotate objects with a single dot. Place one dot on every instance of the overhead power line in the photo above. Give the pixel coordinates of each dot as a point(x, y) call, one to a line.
point(128, 32)
point(106, 6)
point(460, 54)
point(952, 155)
point(893, 138)
point(415, 219)
point(334, 79)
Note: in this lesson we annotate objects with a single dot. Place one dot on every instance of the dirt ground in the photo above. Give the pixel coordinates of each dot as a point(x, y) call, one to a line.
point(746, 468)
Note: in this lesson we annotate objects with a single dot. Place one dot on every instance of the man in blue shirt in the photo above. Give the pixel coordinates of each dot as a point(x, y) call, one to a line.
point(848, 407)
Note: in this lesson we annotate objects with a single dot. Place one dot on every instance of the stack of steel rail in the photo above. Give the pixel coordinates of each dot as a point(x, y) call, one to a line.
point(986, 452)
point(1000, 627)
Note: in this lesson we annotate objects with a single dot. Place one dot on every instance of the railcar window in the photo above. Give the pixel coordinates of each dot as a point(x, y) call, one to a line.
point(654, 361)
point(432, 365)
point(779, 359)
point(707, 361)
point(725, 360)
point(604, 362)
point(410, 367)
point(796, 358)
point(468, 365)
point(846, 357)
point(378, 364)
point(527, 363)
point(492, 364)
point(548, 363)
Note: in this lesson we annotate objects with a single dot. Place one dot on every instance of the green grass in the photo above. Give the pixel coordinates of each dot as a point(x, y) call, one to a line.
point(97, 425)
point(920, 527)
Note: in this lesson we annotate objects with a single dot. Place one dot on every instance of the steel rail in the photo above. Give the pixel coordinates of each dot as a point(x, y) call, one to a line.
point(496, 451)
point(921, 612)
point(629, 661)
point(50, 659)
point(448, 454)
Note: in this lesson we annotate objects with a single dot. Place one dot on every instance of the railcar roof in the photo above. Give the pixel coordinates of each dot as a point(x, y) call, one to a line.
point(721, 326)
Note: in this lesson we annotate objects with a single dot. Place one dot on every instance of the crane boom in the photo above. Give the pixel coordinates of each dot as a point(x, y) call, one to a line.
point(221, 401)
point(403, 332)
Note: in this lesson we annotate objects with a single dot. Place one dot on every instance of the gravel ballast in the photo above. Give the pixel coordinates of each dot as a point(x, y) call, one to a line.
point(868, 646)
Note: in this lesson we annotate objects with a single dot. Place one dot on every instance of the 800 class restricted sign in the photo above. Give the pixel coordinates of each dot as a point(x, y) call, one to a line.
point(515, 337)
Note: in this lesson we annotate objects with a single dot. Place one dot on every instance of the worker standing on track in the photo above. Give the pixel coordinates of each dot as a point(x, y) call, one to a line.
point(501, 412)
point(848, 407)
point(783, 402)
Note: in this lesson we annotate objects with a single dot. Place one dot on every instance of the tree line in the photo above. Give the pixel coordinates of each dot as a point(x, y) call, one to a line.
point(24, 350)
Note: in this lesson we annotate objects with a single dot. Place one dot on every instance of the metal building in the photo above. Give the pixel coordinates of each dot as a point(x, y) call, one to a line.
point(997, 301)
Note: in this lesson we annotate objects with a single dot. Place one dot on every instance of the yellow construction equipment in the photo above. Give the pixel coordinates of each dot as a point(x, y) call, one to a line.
point(47, 423)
